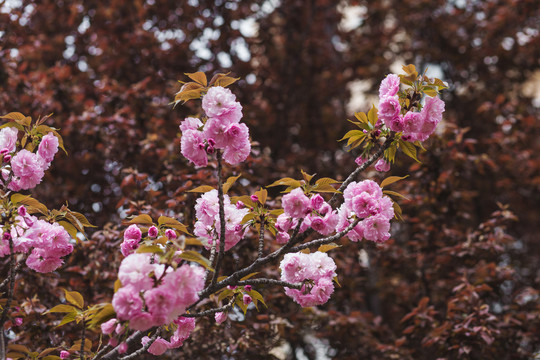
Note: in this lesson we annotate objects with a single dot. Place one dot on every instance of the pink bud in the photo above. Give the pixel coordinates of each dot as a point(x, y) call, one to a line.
point(231, 287)
point(254, 198)
point(64, 354)
point(122, 348)
point(211, 142)
point(247, 288)
point(238, 228)
point(4, 151)
point(7, 158)
point(220, 317)
point(6, 236)
point(113, 341)
point(21, 211)
point(247, 299)
point(107, 327)
point(210, 149)
point(152, 231)
point(360, 160)
point(120, 329)
point(170, 234)
point(18, 321)
point(240, 205)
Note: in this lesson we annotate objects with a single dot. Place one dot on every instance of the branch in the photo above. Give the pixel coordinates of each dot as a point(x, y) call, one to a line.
point(131, 341)
point(261, 238)
point(6, 308)
point(328, 239)
point(143, 349)
point(262, 281)
point(211, 311)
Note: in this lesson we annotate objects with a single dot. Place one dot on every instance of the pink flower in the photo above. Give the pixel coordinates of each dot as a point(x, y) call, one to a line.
point(376, 228)
point(135, 270)
point(152, 231)
point(382, 165)
point(28, 169)
point(170, 234)
point(238, 152)
point(128, 246)
point(133, 232)
point(221, 103)
point(360, 160)
point(433, 109)
point(185, 327)
point(158, 347)
point(295, 203)
point(282, 237)
point(389, 109)
point(64, 354)
point(40, 261)
point(247, 299)
point(160, 304)
point(193, 148)
point(412, 122)
point(107, 327)
point(364, 205)
point(8, 139)
point(48, 147)
point(316, 201)
point(190, 123)
point(220, 317)
point(142, 321)
point(127, 303)
point(389, 86)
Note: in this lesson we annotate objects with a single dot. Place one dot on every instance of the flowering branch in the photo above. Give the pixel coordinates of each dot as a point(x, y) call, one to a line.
point(143, 348)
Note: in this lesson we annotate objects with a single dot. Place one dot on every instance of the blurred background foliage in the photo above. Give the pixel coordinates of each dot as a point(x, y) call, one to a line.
point(460, 276)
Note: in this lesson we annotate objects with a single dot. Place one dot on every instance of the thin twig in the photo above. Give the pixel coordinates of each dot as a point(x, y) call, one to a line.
point(262, 281)
point(6, 309)
point(326, 240)
point(261, 238)
point(212, 311)
point(83, 339)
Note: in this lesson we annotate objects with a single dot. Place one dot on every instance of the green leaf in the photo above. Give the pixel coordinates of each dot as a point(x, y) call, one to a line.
point(352, 133)
point(287, 182)
point(230, 182)
point(82, 219)
point(327, 247)
point(173, 223)
point(238, 300)
point(62, 309)
point(31, 204)
point(224, 294)
point(373, 115)
point(306, 176)
point(325, 188)
point(191, 255)
point(153, 249)
point(72, 231)
point(257, 297)
point(392, 179)
point(225, 81)
point(408, 149)
point(262, 194)
point(142, 219)
point(361, 116)
point(249, 276)
point(19, 348)
point(105, 313)
point(75, 298)
point(198, 77)
point(394, 193)
point(67, 319)
point(201, 189)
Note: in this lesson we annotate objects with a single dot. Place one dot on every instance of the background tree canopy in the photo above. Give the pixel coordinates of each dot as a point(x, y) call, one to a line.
point(460, 276)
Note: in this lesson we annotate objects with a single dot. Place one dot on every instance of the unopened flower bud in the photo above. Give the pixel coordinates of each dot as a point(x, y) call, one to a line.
point(247, 288)
point(18, 321)
point(21, 211)
point(247, 299)
point(6, 236)
point(170, 234)
point(231, 287)
point(211, 142)
point(210, 149)
point(240, 205)
point(220, 317)
point(7, 158)
point(254, 198)
point(122, 348)
point(107, 327)
point(64, 354)
point(152, 231)
point(4, 151)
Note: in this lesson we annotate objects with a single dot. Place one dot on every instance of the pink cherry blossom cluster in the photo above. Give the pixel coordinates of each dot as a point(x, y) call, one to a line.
point(133, 237)
point(48, 242)
point(154, 294)
point(222, 130)
point(316, 271)
point(208, 225)
point(365, 200)
point(27, 167)
point(415, 126)
point(315, 212)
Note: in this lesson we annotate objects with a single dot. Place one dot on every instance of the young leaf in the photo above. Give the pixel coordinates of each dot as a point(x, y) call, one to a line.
point(67, 319)
point(230, 182)
point(201, 189)
point(72, 231)
point(286, 181)
point(408, 149)
point(352, 133)
point(326, 181)
point(105, 313)
point(410, 70)
point(32, 205)
point(262, 194)
point(257, 297)
point(225, 81)
point(62, 309)
point(361, 116)
point(373, 115)
point(306, 176)
point(394, 193)
point(198, 77)
point(142, 219)
point(328, 247)
point(249, 276)
point(392, 179)
point(82, 219)
point(191, 255)
point(74, 298)
point(154, 249)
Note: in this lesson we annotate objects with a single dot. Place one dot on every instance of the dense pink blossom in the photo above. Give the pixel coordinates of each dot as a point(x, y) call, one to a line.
point(192, 146)
point(190, 123)
point(135, 270)
point(8, 139)
point(28, 170)
point(295, 204)
point(234, 155)
point(318, 268)
point(48, 147)
point(221, 103)
point(127, 303)
point(40, 261)
point(389, 109)
point(389, 86)
point(376, 228)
